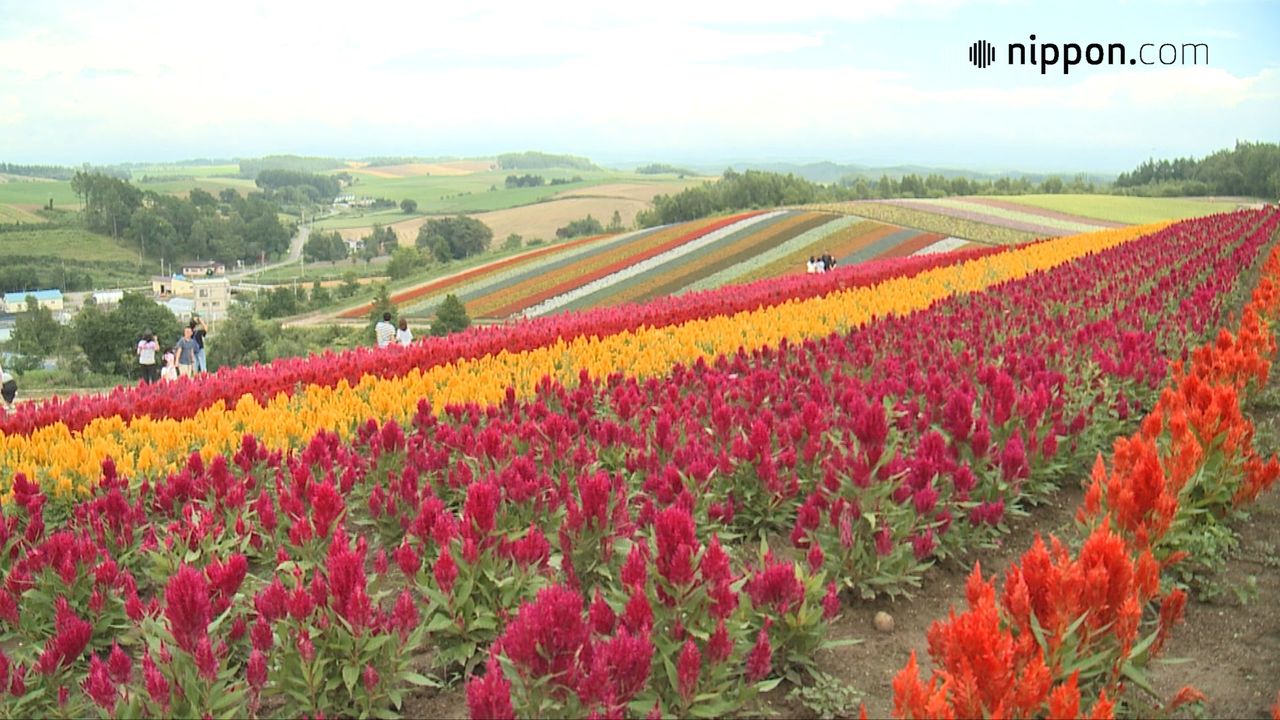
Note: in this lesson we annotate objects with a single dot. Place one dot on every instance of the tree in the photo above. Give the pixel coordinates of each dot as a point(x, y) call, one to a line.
point(280, 301)
point(615, 224)
point(35, 332)
point(585, 226)
point(320, 295)
point(512, 242)
point(350, 284)
point(404, 261)
point(108, 339)
point(455, 237)
point(409, 205)
point(240, 341)
point(451, 317)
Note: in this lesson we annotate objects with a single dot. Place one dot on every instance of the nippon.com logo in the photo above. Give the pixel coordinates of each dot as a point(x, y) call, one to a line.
point(1045, 55)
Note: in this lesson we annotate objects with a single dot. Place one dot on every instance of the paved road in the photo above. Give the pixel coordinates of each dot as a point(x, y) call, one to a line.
point(295, 252)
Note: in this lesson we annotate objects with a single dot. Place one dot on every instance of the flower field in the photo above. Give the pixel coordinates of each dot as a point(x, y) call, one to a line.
point(650, 508)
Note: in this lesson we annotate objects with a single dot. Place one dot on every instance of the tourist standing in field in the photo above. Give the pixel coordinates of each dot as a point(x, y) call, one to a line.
point(147, 348)
point(404, 336)
point(169, 372)
point(384, 331)
point(186, 352)
point(8, 387)
point(812, 266)
point(198, 332)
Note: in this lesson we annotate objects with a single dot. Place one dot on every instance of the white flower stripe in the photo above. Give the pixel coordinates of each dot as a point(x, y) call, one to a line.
point(631, 271)
point(943, 245)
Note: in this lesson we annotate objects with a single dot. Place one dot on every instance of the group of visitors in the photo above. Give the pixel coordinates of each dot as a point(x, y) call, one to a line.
point(821, 264)
point(387, 332)
point(184, 359)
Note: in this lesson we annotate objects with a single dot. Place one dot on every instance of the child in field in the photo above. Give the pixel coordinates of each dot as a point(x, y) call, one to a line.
point(169, 372)
point(8, 387)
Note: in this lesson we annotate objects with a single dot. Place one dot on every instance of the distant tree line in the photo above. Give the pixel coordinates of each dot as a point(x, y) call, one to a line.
point(228, 227)
point(253, 167)
point(526, 180)
point(539, 161)
point(663, 169)
point(585, 226)
point(1251, 169)
point(50, 172)
point(761, 189)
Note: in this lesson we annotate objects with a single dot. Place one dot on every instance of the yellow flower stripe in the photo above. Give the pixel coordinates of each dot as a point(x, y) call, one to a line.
point(64, 461)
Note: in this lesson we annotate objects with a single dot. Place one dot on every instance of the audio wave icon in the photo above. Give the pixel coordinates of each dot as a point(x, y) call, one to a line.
point(982, 53)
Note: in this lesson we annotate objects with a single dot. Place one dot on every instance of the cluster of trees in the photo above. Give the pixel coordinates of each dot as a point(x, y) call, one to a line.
point(526, 180)
point(1251, 169)
point(935, 185)
point(315, 188)
point(663, 169)
point(227, 227)
point(539, 161)
point(454, 238)
point(583, 226)
point(48, 172)
point(325, 247)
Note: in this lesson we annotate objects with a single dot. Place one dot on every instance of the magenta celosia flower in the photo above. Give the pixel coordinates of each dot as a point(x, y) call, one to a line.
point(677, 544)
point(619, 670)
point(260, 636)
point(816, 558)
point(238, 628)
point(71, 636)
point(638, 615)
point(225, 579)
point(884, 541)
point(489, 697)
point(635, 571)
point(18, 681)
point(272, 602)
point(99, 686)
point(266, 512)
point(301, 603)
point(187, 607)
point(326, 506)
point(688, 668)
point(157, 684)
point(714, 566)
point(760, 659)
point(305, 647)
point(480, 508)
point(206, 661)
point(407, 559)
point(532, 550)
point(720, 646)
point(347, 581)
point(602, 617)
point(923, 545)
point(1013, 461)
point(831, 602)
point(404, 616)
point(256, 670)
point(776, 587)
point(445, 571)
point(370, 677)
point(119, 666)
point(546, 636)
point(380, 563)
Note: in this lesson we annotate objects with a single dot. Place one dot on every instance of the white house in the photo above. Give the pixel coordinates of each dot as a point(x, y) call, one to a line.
point(212, 296)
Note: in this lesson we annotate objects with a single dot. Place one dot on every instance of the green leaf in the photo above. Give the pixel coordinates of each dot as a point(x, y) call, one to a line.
point(767, 685)
point(414, 678)
point(846, 642)
point(350, 674)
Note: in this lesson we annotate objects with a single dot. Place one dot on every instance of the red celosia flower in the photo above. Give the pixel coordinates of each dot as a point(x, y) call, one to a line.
point(619, 670)
point(407, 559)
point(760, 659)
point(157, 684)
point(404, 617)
point(480, 508)
point(206, 662)
point(677, 545)
point(547, 635)
point(1064, 700)
point(225, 579)
point(489, 697)
point(256, 670)
point(326, 506)
point(119, 666)
point(99, 686)
point(71, 636)
point(831, 602)
point(720, 646)
point(816, 558)
point(370, 677)
point(445, 571)
point(776, 587)
point(688, 668)
point(272, 602)
point(602, 617)
point(260, 636)
point(187, 607)
point(635, 571)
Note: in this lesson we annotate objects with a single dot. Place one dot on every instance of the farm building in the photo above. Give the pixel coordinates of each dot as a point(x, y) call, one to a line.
point(182, 308)
point(212, 296)
point(108, 297)
point(203, 268)
point(16, 302)
point(171, 285)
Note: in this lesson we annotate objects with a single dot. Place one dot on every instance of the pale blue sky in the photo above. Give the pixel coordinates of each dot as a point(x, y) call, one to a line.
point(883, 82)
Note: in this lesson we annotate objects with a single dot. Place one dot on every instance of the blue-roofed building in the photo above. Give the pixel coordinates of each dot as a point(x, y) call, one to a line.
point(16, 302)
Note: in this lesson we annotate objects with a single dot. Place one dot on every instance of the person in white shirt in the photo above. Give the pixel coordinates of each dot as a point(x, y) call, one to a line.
point(811, 267)
point(384, 331)
point(404, 336)
point(8, 387)
point(147, 349)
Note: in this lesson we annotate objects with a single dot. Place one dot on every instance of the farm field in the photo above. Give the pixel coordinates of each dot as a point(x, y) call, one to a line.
point(30, 194)
point(1124, 209)
point(666, 505)
point(986, 231)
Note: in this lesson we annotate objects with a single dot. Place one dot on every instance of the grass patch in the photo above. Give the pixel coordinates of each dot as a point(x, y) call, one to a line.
point(1125, 209)
point(37, 192)
point(11, 214)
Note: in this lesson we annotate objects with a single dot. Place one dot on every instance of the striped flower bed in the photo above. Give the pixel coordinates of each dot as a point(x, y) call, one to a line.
point(1003, 217)
point(944, 245)
point(782, 256)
